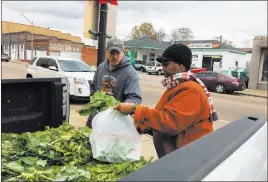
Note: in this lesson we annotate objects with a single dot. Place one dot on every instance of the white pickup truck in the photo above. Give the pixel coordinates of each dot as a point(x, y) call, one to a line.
point(236, 152)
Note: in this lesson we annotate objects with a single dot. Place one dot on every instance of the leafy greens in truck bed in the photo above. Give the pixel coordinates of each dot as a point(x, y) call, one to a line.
point(57, 154)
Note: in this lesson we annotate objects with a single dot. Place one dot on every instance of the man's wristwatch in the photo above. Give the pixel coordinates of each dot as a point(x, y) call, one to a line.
point(134, 107)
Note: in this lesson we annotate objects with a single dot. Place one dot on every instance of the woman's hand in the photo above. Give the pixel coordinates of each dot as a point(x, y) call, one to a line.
point(125, 108)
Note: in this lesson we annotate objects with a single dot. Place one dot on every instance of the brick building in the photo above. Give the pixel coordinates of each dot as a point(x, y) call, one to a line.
point(17, 38)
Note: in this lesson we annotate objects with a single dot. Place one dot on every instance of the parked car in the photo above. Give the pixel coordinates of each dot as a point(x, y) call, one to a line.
point(79, 74)
point(140, 65)
point(196, 69)
point(221, 83)
point(5, 57)
point(154, 67)
point(238, 74)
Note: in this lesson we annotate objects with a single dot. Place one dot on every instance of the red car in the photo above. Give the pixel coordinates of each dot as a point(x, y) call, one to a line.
point(197, 70)
point(221, 83)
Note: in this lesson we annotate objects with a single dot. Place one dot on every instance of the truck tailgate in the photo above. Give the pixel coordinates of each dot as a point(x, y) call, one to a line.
point(21, 108)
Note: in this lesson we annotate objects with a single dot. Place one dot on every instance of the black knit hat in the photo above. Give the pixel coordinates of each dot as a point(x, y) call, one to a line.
point(178, 53)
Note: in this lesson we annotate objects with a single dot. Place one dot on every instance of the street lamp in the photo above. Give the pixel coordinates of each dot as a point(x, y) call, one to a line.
point(31, 22)
point(101, 34)
point(101, 44)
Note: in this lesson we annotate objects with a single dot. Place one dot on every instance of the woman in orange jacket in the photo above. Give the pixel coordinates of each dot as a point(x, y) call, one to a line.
point(185, 111)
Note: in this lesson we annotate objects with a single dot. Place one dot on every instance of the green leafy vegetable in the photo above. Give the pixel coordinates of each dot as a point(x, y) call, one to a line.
point(99, 101)
point(57, 154)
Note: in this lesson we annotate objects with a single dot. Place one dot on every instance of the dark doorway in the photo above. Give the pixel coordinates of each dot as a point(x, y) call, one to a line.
point(210, 62)
point(207, 62)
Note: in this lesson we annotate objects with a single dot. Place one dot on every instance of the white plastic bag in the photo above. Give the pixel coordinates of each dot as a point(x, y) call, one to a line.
point(114, 137)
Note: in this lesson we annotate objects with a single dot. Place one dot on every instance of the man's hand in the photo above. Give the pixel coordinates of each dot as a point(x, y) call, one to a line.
point(125, 108)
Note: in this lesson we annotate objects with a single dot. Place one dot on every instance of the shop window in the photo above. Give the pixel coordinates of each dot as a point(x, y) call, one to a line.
point(152, 56)
point(144, 58)
point(264, 65)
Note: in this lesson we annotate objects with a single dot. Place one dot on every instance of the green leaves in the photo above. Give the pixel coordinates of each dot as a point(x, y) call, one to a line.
point(57, 154)
point(14, 166)
point(68, 173)
point(99, 101)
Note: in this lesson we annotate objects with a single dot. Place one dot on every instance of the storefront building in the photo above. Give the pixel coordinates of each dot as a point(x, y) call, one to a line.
point(17, 43)
point(210, 54)
point(258, 69)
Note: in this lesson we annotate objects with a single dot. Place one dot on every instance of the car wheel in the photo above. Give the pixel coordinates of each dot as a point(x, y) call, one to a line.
point(159, 72)
point(29, 76)
point(142, 69)
point(220, 88)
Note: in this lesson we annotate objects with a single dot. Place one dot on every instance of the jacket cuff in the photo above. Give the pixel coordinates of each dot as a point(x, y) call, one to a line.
point(139, 114)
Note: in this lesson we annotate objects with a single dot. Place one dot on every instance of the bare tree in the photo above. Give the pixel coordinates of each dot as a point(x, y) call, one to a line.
point(229, 42)
point(161, 35)
point(181, 34)
point(246, 44)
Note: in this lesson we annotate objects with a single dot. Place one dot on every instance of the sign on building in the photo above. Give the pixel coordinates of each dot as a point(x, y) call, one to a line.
point(203, 45)
point(200, 46)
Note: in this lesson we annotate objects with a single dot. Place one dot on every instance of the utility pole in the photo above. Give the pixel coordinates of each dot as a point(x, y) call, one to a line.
point(102, 33)
point(31, 22)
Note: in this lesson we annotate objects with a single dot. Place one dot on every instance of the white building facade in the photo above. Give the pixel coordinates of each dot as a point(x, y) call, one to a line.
point(212, 55)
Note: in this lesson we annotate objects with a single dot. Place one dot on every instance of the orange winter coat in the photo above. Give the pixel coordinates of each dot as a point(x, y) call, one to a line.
point(180, 117)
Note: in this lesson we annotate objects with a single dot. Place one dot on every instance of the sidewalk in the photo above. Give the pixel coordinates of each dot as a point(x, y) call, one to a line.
point(249, 92)
point(255, 93)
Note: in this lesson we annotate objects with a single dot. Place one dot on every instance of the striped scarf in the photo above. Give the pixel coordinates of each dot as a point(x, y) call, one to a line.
point(176, 79)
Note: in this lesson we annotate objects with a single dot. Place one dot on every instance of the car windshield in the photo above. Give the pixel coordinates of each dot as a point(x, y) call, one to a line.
point(150, 64)
point(74, 66)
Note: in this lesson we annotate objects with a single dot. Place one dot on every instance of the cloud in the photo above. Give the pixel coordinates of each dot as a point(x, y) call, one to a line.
point(236, 21)
point(233, 20)
point(66, 9)
point(65, 16)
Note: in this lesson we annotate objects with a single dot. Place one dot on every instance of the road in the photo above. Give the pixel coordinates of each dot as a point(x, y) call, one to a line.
point(229, 107)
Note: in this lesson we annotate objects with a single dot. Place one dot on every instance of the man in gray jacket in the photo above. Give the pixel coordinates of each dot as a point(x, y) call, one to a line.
point(116, 76)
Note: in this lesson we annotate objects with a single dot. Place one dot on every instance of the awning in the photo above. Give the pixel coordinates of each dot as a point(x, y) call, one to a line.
point(216, 57)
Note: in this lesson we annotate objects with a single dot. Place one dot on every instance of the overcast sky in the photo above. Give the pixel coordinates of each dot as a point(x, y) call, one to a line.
point(236, 21)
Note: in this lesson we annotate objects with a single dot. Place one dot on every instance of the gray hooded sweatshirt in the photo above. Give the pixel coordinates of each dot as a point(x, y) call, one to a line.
point(125, 77)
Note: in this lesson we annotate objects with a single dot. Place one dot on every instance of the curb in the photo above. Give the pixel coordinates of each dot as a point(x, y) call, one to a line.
point(150, 87)
point(19, 62)
point(252, 95)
